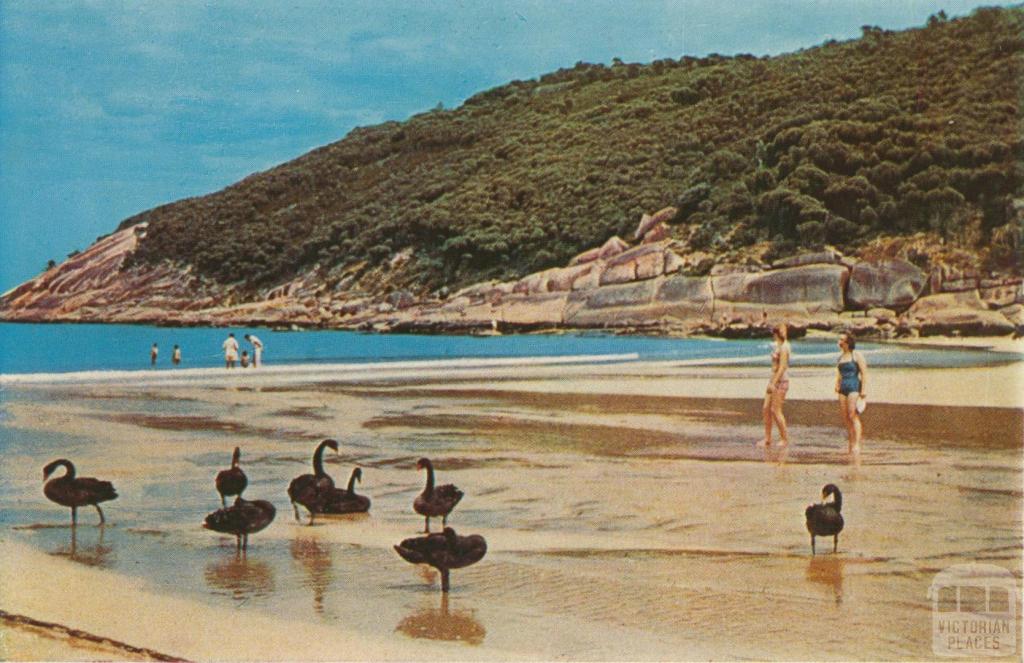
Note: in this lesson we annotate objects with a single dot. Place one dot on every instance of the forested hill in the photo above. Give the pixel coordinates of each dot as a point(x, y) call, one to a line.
point(891, 133)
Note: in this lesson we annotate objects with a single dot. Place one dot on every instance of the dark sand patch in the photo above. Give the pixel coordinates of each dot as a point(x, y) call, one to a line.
point(964, 426)
point(191, 423)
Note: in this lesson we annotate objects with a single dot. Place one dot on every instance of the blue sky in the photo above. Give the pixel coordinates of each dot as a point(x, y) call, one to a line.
point(110, 108)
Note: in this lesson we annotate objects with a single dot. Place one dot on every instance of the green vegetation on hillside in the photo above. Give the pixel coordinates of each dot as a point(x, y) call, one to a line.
point(891, 133)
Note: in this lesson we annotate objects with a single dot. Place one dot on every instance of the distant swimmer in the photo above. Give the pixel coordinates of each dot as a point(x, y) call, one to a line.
point(851, 385)
point(153, 352)
point(230, 346)
point(257, 350)
point(176, 356)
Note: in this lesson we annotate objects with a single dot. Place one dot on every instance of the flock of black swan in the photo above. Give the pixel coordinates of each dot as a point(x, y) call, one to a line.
point(316, 492)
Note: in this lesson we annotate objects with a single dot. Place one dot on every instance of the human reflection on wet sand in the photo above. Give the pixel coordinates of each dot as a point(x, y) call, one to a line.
point(240, 578)
point(443, 624)
point(828, 571)
point(97, 554)
point(315, 559)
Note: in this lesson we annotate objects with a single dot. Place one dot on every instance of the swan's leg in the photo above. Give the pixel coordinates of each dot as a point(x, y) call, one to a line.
point(223, 502)
point(444, 521)
point(245, 543)
point(74, 516)
point(812, 544)
point(100, 511)
point(444, 580)
point(426, 528)
point(238, 543)
point(835, 542)
point(296, 508)
point(312, 514)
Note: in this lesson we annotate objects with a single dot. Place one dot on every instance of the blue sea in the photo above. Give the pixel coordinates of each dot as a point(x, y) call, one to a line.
point(56, 348)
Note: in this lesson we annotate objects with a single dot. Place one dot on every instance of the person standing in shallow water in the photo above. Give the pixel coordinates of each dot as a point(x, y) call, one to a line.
point(778, 386)
point(257, 350)
point(153, 352)
point(176, 356)
point(230, 346)
point(851, 385)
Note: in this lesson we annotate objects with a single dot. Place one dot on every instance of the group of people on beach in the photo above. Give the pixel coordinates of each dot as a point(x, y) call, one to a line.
point(230, 346)
point(850, 386)
point(231, 355)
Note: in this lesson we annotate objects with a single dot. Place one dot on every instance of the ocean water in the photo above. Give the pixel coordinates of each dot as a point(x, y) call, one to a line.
point(55, 348)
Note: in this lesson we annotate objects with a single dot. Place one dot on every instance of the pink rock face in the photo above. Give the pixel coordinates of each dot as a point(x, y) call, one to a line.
point(590, 255)
point(613, 247)
point(927, 306)
point(890, 283)
point(561, 279)
point(656, 233)
point(645, 225)
point(966, 322)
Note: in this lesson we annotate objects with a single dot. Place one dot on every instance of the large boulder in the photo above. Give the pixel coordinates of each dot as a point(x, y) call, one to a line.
point(649, 221)
point(642, 262)
point(888, 283)
point(957, 313)
point(613, 247)
point(827, 257)
point(810, 288)
point(590, 255)
point(561, 279)
point(1001, 292)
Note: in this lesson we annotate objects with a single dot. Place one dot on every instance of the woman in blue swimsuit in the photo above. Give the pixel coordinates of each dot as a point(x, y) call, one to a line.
point(851, 385)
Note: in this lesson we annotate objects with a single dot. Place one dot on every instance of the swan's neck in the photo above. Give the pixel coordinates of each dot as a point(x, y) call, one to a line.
point(318, 460)
point(70, 474)
point(430, 479)
point(837, 502)
point(234, 459)
point(352, 483)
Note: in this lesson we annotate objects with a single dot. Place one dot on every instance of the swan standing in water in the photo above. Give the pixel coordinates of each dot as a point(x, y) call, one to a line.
point(433, 502)
point(444, 551)
point(68, 490)
point(346, 501)
point(311, 490)
point(825, 519)
point(231, 481)
point(241, 519)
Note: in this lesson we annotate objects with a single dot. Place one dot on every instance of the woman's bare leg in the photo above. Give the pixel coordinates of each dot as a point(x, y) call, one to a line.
point(766, 413)
point(780, 419)
point(856, 428)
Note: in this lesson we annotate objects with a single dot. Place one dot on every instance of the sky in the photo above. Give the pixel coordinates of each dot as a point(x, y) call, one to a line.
point(110, 108)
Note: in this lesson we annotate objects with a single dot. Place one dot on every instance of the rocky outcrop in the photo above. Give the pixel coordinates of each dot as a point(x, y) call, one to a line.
point(649, 286)
point(889, 283)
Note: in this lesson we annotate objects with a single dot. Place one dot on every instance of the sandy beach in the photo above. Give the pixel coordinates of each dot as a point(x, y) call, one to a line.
point(627, 511)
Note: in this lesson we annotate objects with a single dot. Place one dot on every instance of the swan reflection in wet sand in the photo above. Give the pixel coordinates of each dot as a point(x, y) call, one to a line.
point(240, 578)
point(97, 555)
point(443, 624)
point(827, 571)
point(315, 559)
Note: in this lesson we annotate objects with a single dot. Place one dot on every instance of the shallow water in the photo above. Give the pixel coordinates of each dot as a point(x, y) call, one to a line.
point(619, 527)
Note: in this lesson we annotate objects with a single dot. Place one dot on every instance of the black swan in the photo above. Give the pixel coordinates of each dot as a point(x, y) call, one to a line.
point(433, 502)
point(68, 490)
point(825, 519)
point(444, 551)
point(232, 481)
point(242, 518)
point(346, 501)
point(310, 490)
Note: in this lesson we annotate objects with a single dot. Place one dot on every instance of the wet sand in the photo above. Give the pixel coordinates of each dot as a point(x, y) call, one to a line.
point(628, 513)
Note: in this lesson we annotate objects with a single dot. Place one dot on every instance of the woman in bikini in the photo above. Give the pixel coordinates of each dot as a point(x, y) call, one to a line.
point(851, 385)
point(778, 385)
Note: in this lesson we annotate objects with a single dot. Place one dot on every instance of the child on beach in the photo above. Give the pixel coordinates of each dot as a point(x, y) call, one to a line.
point(778, 385)
point(851, 383)
point(245, 359)
point(153, 352)
point(176, 356)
